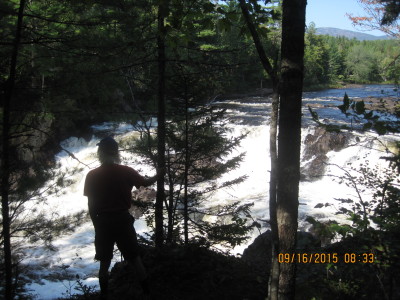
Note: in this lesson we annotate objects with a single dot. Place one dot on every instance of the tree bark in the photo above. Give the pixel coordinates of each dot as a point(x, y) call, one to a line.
point(170, 206)
point(5, 157)
point(291, 86)
point(274, 274)
point(159, 226)
point(186, 200)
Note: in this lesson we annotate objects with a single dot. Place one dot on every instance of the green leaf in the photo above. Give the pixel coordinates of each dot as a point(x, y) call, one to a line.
point(329, 265)
point(314, 114)
point(360, 107)
point(224, 24)
point(346, 104)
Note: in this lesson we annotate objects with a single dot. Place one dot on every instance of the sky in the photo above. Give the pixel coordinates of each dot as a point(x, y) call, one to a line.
point(332, 13)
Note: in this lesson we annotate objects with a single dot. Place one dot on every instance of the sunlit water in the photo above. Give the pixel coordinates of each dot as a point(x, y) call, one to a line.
point(250, 115)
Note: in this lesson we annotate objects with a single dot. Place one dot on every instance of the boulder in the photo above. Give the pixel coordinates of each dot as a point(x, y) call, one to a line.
point(259, 253)
point(316, 147)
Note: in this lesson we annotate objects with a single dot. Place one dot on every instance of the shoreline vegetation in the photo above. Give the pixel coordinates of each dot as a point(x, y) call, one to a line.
point(371, 102)
point(342, 85)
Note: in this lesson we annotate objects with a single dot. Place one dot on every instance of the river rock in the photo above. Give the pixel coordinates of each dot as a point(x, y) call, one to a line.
point(316, 147)
point(258, 254)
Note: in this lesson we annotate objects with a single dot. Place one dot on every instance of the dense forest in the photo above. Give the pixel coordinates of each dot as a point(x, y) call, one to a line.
point(330, 60)
point(66, 65)
point(83, 62)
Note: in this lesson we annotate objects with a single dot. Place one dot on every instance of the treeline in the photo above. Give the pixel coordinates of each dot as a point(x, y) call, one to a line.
point(329, 60)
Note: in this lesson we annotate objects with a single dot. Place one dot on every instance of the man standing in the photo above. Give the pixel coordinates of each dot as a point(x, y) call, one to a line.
point(108, 189)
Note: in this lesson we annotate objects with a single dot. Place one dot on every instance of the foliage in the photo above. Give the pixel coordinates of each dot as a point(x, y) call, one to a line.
point(379, 14)
point(362, 61)
point(31, 220)
point(84, 291)
point(374, 224)
point(199, 152)
point(392, 11)
point(316, 58)
point(373, 214)
point(361, 65)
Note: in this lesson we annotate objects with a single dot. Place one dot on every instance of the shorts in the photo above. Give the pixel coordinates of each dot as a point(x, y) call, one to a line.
point(115, 228)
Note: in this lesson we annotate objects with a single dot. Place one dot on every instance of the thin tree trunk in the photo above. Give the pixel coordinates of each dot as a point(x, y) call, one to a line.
point(274, 275)
point(185, 207)
point(159, 230)
point(272, 72)
point(5, 157)
point(257, 42)
point(291, 85)
point(170, 207)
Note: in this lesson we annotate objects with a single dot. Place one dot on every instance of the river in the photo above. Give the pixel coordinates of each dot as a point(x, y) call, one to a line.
point(248, 115)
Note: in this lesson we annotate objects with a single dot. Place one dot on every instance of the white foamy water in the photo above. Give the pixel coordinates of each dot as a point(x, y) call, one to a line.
point(77, 251)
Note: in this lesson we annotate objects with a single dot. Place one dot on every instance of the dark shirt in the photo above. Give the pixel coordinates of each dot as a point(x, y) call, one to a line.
point(109, 188)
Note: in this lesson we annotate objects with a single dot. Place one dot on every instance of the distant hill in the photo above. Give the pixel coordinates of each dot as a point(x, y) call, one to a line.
point(350, 34)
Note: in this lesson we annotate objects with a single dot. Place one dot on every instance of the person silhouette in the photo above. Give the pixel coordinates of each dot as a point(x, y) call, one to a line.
point(108, 189)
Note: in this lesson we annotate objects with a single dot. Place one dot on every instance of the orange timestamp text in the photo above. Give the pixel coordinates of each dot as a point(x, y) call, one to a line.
point(326, 258)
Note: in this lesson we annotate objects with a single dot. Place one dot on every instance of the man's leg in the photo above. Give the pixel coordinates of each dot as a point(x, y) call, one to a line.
point(128, 245)
point(103, 277)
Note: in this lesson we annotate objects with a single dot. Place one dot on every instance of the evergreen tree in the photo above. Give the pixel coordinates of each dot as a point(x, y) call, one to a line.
point(25, 166)
point(6, 158)
point(316, 59)
point(362, 65)
point(198, 153)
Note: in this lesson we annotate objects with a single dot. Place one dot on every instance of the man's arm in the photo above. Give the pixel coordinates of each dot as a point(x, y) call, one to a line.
point(150, 180)
point(139, 180)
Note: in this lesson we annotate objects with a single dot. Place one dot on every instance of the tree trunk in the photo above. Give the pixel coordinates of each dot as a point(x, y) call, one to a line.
point(291, 86)
point(186, 204)
point(257, 42)
point(5, 157)
point(272, 72)
point(170, 207)
point(159, 230)
point(274, 275)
